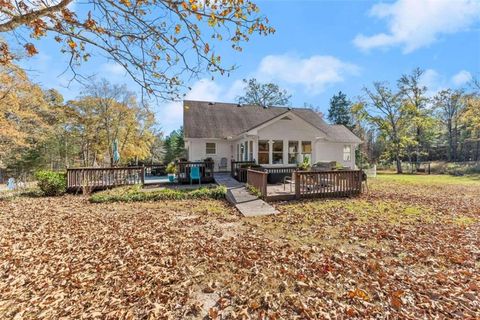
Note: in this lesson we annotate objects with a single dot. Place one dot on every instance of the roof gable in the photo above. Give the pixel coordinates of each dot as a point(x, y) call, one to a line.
point(288, 116)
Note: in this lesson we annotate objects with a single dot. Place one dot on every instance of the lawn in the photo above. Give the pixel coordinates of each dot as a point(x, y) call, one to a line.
point(407, 249)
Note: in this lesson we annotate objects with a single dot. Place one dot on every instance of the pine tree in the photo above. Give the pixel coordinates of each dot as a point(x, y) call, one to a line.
point(339, 110)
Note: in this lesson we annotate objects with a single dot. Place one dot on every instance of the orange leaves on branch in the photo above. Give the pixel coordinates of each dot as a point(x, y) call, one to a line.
point(31, 50)
point(69, 16)
point(178, 28)
point(5, 55)
point(90, 23)
point(126, 30)
point(39, 28)
point(72, 44)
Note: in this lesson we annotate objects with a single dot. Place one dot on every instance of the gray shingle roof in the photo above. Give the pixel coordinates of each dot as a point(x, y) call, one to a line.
point(203, 119)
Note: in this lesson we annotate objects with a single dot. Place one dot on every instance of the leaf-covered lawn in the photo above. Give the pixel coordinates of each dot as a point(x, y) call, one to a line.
point(403, 250)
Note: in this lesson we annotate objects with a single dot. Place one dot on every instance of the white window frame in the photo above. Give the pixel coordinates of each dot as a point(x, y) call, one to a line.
point(278, 152)
point(347, 152)
point(206, 148)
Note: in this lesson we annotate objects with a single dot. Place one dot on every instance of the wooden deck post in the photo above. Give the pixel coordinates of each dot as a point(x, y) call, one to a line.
point(297, 185)
point(265, 190)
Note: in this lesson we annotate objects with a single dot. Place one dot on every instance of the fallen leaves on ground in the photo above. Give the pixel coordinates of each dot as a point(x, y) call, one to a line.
point(399, 251)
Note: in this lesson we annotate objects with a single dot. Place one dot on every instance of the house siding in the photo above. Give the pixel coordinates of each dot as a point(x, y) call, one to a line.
point(197, 151)
point(333, 151)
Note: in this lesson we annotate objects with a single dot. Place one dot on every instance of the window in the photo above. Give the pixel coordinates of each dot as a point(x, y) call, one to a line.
point(347, 153)
point(210, 148)
point(263, 149)
point(246, 151)
point(238, 152)
point(242, 152)
point(307, 150)
point(277, 154)
point(251, 151)
point(292, 152)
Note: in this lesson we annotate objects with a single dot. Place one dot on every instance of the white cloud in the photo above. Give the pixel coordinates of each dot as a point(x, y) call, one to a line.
point(114, 69)
point(314, 73)
point(461, 78)
point(413, 24)
point(434, 82)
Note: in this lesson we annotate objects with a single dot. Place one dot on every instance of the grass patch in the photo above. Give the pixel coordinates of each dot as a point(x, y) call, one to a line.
point(132, 194)
point(254, 191)
point(28, 193)
point(464, 221)
point(433, 179)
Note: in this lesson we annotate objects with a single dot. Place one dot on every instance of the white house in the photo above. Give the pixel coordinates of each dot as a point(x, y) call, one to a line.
point(273, 136)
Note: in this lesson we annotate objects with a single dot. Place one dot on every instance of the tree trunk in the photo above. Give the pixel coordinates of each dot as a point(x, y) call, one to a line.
point(399, 164)
point(450, 141)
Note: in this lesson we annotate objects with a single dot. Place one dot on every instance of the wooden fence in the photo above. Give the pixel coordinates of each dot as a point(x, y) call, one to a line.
point(327, 183)
point(236, 170)
point(258, 180)
point(103, 178)
point(206, 171)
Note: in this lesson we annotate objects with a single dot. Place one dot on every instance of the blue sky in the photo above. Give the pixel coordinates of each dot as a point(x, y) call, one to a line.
point(319, 48)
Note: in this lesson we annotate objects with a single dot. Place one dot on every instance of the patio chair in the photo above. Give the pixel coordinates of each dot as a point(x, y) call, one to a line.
point(223, 164)
point(195, 175)
point(290, 180)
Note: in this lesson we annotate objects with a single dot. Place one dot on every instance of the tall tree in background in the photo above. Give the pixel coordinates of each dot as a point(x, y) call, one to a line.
point(264, 94)
point(384, 109)
point(154, 41)
point(471, 116)
point(449, 106)
point(174, 146)
point(414, 97)
point(24, 112)
point(106, 113)
point(339, 110)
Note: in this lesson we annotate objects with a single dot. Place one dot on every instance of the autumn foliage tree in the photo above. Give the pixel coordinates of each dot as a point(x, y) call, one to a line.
point(106, 113)
point(383, 108)
point(24, 112)
point(155, 41)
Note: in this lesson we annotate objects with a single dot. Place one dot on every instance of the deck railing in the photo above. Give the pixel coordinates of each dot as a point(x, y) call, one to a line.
point(102, 178)
point(236, 170)
point(258, 180)
point(206, 171)
point(310, 184)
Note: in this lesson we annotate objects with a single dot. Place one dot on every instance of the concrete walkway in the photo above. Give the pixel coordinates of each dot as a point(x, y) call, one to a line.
point(248, 204)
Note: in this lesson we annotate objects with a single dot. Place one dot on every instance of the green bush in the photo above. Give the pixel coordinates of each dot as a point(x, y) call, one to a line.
point(171, 168)
point(254, 191)
point(132, 194)
point(51, 183)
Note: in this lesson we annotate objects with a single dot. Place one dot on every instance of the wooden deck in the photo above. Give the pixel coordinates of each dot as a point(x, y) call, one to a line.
point(308, 184)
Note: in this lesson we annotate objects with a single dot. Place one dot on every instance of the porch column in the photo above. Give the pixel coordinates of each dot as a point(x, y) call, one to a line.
point(299, 149)
point(255, 149)
point(270, 151)
point(285, 152)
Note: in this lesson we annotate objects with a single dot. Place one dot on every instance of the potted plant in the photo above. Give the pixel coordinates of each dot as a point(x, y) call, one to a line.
point(305, 165)
point(171, 170)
